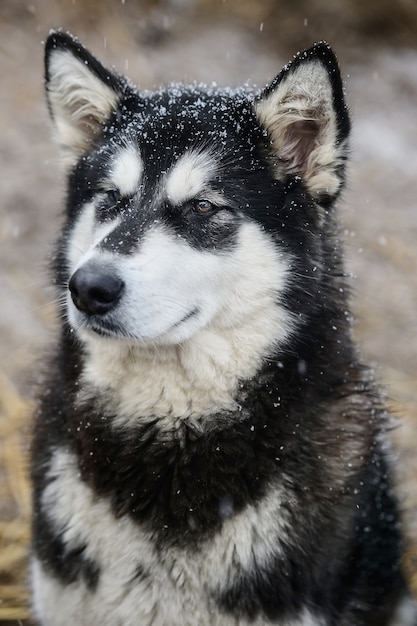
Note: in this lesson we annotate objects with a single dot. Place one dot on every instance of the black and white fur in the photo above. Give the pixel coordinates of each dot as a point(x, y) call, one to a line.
point(208, 449)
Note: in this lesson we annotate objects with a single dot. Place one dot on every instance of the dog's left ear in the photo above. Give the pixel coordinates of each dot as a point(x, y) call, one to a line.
point(305, 116)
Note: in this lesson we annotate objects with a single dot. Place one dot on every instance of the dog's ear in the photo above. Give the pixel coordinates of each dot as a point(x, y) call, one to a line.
point(81, 93)
point(305, 116)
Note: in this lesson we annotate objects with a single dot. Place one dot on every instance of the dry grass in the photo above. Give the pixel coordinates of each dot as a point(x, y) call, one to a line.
point(15, 504)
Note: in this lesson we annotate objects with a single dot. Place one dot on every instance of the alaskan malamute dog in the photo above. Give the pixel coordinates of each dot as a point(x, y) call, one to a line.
point(208, 448)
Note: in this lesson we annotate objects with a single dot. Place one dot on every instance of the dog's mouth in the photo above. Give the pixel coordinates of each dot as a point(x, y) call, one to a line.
point(103, 328)
point(186, 317)
point(107, 327)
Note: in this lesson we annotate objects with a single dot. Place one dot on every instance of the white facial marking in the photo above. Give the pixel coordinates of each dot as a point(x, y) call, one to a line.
point(86, 235)
point(189, 177)
point(127, 169)
point(199, 322)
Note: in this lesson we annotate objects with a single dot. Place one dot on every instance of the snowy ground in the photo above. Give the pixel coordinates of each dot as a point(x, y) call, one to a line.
point(379, 208)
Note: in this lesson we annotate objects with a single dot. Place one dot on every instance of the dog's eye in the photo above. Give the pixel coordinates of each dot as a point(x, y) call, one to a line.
point(113, 196)
point(203, 207)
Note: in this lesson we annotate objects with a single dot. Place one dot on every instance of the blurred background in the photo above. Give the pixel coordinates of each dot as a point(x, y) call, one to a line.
point(229, 42)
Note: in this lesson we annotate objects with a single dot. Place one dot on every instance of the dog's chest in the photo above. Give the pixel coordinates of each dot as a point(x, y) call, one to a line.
point(138, 582)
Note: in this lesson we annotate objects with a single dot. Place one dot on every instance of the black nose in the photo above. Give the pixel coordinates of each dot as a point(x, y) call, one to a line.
point(95, 290)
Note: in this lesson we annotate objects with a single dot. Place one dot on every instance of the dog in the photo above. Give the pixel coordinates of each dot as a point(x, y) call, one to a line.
point(208, 448)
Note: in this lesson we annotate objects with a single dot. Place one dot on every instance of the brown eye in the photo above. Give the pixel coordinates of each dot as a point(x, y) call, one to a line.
point(203, 206)
point(114, 196)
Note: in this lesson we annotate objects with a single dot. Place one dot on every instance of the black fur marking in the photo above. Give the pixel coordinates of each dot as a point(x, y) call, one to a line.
point(67, 562)
point(371, 573)
point(142, 574)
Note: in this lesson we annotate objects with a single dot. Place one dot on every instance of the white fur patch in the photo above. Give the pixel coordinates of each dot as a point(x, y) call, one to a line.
point(126, 170)
point(175, 587)
point(189, 177)
point(406, 613)
point(79, 102)
point(192, 362)
point(306, 618)
point(86, 235)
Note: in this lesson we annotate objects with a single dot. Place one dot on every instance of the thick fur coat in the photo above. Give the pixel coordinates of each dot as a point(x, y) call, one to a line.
point(208, 449)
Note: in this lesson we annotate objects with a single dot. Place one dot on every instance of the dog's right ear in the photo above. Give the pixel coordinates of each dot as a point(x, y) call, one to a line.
point(304, 113)
point(81, 94)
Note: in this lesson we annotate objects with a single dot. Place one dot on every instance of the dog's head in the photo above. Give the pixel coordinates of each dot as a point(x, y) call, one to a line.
point(191, 207)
